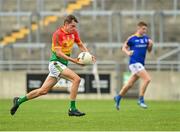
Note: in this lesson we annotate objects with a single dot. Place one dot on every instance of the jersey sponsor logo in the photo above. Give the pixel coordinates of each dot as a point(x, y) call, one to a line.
point(146, 40)
point(137, 40)
point(141, 41)
point(67, 46)
point(141, 45)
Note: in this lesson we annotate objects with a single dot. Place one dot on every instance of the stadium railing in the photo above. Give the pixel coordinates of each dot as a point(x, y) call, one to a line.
point(160, 63)
point(13, 64)
point(135, 5)
point(156, 33)
point(40, 63)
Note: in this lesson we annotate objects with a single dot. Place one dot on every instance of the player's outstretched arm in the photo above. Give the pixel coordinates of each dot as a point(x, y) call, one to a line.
point(82, 47)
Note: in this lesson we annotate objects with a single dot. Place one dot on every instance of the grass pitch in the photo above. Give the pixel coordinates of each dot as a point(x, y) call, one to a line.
point(51, 115)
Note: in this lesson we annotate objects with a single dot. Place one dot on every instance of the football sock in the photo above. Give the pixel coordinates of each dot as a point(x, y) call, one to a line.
point(118, 97)
point(22, 99)
point(141, 99)
point(73, 105)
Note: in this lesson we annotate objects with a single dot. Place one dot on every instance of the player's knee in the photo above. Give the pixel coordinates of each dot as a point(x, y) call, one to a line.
point(147, 80)
point(129, 85)
point(77, 79)
point(43, 91)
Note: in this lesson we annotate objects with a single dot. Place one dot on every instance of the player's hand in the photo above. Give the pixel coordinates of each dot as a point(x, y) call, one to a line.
point(130, 52)
point(76, 60)
point(93, 59)
point(150, 45)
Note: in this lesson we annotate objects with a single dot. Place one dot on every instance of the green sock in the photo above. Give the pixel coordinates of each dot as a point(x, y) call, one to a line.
point(73, 105)
point(22, 99)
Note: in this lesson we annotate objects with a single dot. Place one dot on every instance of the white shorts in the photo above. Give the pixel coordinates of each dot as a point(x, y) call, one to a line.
point(136, 67)
point(56, 68)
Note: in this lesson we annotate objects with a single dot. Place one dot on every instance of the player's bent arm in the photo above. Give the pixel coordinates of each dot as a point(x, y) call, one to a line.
point(125, 49)
point(59, 53)
point(82, 47)
point(150, 45)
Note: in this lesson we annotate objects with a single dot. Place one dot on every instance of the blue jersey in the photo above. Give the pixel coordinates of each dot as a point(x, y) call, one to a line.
point(139, 45)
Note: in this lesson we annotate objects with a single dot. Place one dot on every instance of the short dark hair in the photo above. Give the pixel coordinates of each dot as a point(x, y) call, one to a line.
point(142, 23)
point(70, 18)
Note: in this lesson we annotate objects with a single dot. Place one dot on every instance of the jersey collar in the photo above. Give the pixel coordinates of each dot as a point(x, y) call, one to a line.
point(138, 35)
point(63, 30)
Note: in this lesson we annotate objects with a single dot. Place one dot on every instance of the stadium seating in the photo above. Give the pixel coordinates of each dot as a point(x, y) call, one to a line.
point(71, 7)
point(101, 27)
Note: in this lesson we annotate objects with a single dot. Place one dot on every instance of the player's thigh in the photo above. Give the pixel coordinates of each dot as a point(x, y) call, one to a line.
point(49, 83)
point(69, 74)
point(144, 75)
point(133, 79)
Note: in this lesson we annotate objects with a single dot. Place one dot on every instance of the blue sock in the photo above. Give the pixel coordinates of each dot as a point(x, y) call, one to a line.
point(141, 99)
point(118, 97)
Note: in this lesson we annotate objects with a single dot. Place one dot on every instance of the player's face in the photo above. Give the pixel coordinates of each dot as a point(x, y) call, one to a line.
point(71, 27)
point(142, 30)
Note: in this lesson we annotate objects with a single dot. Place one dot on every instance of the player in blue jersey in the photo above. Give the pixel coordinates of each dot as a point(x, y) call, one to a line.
point(135, 47)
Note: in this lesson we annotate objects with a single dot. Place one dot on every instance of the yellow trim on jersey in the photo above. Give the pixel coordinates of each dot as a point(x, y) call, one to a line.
point(138, 35)
point(135, 34)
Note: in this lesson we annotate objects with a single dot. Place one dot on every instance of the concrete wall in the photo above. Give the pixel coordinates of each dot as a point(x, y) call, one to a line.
point(165, 85)
point(12, 84)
